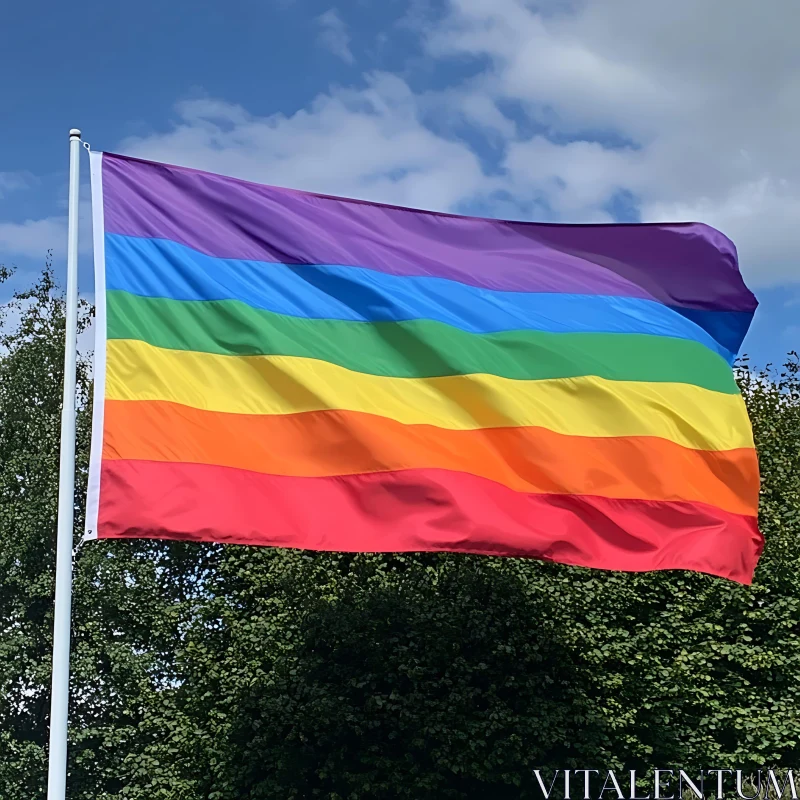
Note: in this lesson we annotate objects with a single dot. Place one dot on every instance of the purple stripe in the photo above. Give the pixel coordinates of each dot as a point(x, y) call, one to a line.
point(688, 265)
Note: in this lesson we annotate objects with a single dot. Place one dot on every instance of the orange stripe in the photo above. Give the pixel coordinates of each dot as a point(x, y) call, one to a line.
point(323, 443)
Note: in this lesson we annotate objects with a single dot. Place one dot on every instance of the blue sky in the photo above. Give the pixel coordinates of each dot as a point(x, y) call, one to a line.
point(567, 110)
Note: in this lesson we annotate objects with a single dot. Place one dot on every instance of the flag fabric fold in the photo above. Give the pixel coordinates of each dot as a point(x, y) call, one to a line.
point(282, 368)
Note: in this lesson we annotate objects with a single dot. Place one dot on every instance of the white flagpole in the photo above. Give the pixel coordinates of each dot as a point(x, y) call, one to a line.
point(59, 702)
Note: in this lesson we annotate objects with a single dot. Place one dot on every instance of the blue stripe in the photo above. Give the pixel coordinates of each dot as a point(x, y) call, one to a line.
point(728, 327)
point(161, 268)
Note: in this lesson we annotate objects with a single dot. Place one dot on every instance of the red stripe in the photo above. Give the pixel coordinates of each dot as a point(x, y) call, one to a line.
point(421, 510)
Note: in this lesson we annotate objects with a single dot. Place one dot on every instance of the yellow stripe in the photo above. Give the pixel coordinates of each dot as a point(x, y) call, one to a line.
point(586, 406)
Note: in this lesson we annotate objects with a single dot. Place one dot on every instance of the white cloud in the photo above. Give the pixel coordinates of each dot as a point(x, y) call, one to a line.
point(369, 144)
point(577, 178)
point(32, 238)
point(707, 93)
point(333, 35)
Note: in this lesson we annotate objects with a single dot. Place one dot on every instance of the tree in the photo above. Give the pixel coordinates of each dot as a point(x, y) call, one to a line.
point(31, 367)
point(123, 624)
point(229, 672)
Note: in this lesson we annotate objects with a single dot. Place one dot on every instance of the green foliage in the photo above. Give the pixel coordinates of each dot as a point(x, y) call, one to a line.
point(213, 673)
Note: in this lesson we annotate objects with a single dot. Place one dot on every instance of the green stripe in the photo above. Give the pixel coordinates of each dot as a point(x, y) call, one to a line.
point(416, 349)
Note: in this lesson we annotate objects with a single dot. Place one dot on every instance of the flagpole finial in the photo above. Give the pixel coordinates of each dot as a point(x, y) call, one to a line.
point(74, 133)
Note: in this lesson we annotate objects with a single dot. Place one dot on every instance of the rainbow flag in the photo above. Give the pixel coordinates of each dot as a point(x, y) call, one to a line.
point(281, 368)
